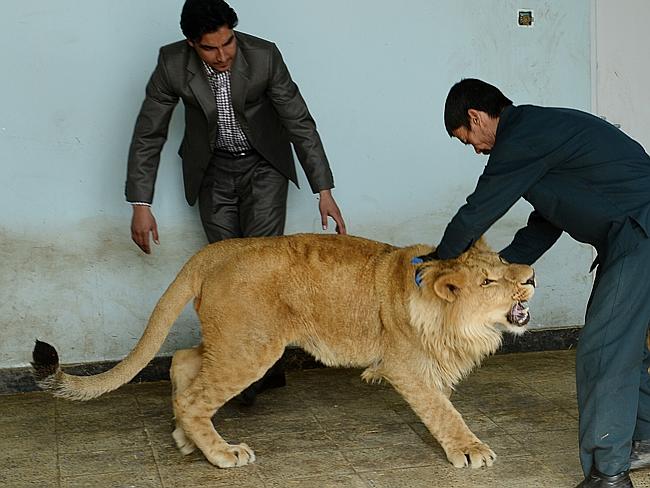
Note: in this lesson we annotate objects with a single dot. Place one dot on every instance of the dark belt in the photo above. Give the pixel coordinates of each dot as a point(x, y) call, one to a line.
point(234, 155)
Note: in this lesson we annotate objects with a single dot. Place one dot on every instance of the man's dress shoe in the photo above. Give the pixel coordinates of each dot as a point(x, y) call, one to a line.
point(274, 378)
point(599, 480)
point(640, 457)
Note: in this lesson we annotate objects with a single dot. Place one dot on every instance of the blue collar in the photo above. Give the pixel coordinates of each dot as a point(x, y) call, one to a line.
point(418, 272)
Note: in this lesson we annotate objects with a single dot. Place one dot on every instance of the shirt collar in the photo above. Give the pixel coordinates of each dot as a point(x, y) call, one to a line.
point(211, 71)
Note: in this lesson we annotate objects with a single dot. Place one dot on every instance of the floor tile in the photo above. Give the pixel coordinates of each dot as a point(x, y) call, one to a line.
point(290, 442)
point(305, 464)
point(196, 472)
point(525, 472)
point(113, 403)
point(28, 468)
point(393, 457)
point(377, 436)
point(127, 440)
point(105, 462)
point(125, 479)
point(25, 442)
point(515, 422)
point(341, 481)
point(89, 423)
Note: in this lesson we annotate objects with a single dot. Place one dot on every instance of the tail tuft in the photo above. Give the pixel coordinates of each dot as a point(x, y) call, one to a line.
point(45, 361)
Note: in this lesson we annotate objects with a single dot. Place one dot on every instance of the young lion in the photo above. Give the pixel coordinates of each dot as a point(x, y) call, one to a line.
point(346, 300)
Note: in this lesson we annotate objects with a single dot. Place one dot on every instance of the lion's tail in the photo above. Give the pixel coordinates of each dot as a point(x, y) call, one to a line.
point(49, 376)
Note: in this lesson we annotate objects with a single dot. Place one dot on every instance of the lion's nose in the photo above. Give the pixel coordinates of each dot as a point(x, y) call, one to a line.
point(531, 281)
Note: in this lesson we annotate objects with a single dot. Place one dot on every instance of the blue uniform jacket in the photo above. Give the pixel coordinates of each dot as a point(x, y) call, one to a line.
point(581, 174)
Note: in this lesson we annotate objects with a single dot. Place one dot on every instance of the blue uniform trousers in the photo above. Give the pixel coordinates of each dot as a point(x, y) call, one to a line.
point(612, 363)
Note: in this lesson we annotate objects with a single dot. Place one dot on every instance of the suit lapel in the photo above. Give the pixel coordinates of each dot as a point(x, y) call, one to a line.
point(239, 77)
point(203, 93)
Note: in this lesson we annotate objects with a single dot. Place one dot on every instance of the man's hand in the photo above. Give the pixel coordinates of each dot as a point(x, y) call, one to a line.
point(143, 223)
point(432, 256)
point(328, 208)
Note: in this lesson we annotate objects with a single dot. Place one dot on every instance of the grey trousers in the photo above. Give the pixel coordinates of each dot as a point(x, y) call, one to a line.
point(242, 197)
point(612, 363)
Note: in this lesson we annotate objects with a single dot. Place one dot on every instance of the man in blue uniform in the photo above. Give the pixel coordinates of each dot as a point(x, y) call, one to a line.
point(585, 177)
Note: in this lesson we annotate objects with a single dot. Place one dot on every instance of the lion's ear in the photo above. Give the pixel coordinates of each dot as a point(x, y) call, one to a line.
point(448, 286)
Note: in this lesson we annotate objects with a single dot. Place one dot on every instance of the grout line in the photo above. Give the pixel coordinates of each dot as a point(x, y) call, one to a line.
point(335, 444)
point(259, 476)
point(150, 441)
point(56, 441)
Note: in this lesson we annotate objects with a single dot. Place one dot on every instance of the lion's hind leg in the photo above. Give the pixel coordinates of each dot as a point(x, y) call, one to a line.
point(195, 408)
point(223, 375)
point(186, 364)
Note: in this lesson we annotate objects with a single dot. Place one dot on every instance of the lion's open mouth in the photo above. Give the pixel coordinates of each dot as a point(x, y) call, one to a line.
point(518, 314)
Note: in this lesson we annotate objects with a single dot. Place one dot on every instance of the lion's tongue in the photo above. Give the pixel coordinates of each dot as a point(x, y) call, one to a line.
point(519, 313)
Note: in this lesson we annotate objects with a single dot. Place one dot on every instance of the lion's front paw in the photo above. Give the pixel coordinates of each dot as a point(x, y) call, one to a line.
point(474, 455)
point(231, 455)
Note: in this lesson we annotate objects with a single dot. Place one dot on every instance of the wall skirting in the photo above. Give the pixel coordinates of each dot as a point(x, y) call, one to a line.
point(15, 380)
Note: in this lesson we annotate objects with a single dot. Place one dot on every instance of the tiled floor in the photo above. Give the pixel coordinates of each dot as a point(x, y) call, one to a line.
point(325, 429)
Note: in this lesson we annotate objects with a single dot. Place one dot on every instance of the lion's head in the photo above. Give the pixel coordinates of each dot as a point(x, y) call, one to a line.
point(465, 305)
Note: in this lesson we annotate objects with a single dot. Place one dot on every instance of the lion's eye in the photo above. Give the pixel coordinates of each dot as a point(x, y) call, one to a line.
point(487, 281)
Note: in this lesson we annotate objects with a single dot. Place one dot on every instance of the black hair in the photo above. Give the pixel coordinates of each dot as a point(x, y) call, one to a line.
point(200, 17)
point(472, 93)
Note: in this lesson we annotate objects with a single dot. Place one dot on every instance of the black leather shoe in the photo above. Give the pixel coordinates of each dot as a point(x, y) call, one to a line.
point(599, 480)
point(640, 456)
point(274, 378)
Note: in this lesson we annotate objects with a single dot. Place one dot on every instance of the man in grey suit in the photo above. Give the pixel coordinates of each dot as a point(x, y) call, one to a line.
point(585, 177)
point(242, 112)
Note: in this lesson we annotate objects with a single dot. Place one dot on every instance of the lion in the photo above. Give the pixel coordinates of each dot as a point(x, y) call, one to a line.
point(348, 301)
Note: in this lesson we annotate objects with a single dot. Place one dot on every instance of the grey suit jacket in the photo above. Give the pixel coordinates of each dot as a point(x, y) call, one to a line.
point(267, 104)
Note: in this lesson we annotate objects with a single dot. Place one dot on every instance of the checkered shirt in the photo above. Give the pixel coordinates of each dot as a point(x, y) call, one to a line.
point(230, 136)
